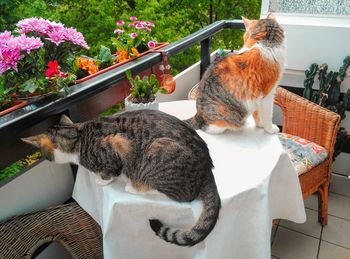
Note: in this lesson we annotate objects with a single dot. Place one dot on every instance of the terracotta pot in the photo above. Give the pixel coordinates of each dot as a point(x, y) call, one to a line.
point(16, 105)
point(130, 106)
point(159, 46)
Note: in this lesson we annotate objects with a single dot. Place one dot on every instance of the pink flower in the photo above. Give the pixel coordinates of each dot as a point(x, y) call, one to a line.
point(119, 31)
point(53, 31)
point(34, 24)
point(72, 35)
point(5, 35)
point(133, 35)
point(57, 36)
point(131, 25)
point(55, 26)
point(139, 26)
point(151, 24)
point(133, 18)
point(9, 58)
point(11, 49)
point(147, 29)
point(120, 23)
point(151, 44)
point(29, 43)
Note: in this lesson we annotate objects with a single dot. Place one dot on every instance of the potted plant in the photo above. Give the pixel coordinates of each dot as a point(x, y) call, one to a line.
point(143, 92)
point(133, 39)
point(37, 58)
point(329, 95)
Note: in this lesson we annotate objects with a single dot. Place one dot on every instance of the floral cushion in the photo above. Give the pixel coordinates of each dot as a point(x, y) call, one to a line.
point(303, 153)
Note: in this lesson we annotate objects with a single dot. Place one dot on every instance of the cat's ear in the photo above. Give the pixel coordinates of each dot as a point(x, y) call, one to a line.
point(34, 140)
point(65, 120)
point(246, 22)
point(271, 16)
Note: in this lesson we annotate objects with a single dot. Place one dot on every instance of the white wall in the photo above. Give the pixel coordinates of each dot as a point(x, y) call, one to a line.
point(311, 42)
point(44, 185)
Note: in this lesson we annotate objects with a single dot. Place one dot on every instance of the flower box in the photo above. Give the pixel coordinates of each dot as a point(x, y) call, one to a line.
point(159, 46)
point(16, 105)
point(36, 57)
point(34, 97)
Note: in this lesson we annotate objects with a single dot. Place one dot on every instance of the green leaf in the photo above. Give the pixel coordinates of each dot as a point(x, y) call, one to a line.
point(30, 86)
point(163, 90)
point(137, 41)
point(153, 79)
point(119, 45)
point(128, 75)
point(105, 54)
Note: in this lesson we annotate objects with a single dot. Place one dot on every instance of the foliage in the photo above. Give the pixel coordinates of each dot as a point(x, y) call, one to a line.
point(6, 98)
point(114, 109)
point(144, 90)
point(328, 95)
point(19, 165)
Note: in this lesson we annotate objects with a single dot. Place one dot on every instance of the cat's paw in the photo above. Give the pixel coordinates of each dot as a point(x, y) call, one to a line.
point(130, 189)
point(213, 129)
point(272, 130)
point(102, 182)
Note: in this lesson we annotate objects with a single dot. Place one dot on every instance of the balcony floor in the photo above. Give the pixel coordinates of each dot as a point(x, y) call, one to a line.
point(312, 241)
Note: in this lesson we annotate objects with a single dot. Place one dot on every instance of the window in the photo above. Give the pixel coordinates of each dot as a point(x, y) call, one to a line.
point(313, 7)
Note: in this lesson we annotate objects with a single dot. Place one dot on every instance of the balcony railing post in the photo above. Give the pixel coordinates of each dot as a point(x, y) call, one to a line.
point(205, 55)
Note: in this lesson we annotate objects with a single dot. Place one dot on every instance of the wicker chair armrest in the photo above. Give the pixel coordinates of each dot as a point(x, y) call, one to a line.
point(307, 119)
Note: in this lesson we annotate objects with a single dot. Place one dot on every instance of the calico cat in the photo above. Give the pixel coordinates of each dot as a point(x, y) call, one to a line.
point(243, 83)
point(152, 149)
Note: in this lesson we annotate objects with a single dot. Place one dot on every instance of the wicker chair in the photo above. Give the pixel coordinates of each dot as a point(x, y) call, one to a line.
point(69, 224)
point(317, 124)
point(312, 122)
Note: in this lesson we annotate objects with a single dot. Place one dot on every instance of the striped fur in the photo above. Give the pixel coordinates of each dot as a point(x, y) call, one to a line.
point(153, 150)
point(244, 82)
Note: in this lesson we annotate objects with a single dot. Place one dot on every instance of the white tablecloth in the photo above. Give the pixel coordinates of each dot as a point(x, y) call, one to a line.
point(256, 183)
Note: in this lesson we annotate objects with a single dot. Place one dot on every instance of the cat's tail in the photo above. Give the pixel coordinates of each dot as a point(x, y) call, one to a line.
point(196, 122)
point(206, 222)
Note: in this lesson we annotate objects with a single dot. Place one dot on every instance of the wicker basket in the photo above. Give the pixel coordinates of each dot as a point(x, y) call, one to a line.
point(67, 224)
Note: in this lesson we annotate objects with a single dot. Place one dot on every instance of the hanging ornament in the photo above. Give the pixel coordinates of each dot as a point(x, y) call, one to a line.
point(166, 80)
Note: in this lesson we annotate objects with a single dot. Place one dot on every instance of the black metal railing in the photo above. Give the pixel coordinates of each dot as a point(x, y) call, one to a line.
point(37, 117)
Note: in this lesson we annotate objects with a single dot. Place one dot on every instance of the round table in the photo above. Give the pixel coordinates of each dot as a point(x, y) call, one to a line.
point(256, 182)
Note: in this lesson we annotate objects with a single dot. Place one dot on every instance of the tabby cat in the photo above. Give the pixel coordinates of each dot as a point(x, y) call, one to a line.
point(244, 82)
point(153, 150)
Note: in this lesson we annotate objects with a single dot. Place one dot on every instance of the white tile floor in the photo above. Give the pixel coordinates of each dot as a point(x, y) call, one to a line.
point(312, 241)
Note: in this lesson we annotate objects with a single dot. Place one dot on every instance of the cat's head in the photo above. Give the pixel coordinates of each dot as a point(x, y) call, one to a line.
point(266, 31)
point(58, 144)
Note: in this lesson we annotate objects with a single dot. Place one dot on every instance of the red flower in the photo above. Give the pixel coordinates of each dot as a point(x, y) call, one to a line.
point(53, 69)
